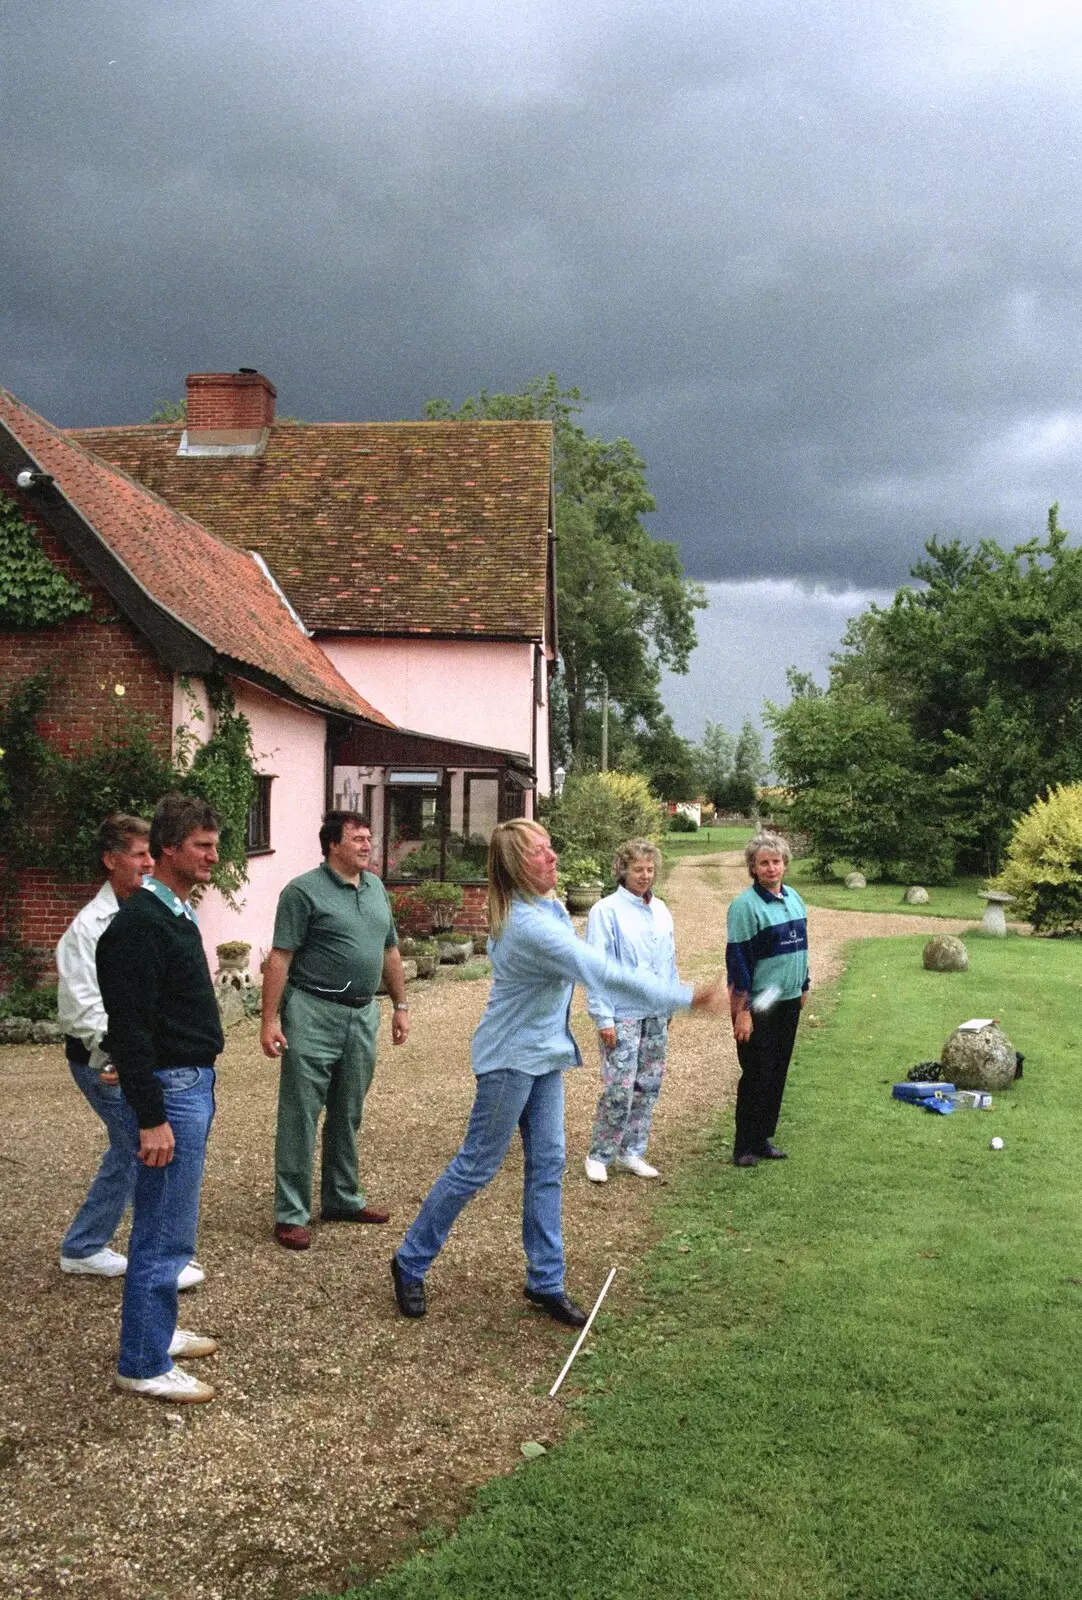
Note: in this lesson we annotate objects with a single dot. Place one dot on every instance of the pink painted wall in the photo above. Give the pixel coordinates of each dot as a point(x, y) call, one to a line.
point(288, 743)
point(456, 689)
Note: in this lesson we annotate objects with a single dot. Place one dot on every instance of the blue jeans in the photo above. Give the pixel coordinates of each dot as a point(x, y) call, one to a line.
point(109, 1196)
point(505, 1100)
point(165, 1215)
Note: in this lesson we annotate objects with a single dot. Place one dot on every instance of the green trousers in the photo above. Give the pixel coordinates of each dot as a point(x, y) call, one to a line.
point(328, 1064)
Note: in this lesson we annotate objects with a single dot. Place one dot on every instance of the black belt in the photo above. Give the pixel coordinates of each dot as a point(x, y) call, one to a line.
point(354, 1002)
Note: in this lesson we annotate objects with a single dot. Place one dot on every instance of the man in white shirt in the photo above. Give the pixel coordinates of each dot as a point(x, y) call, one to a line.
point(124, 845)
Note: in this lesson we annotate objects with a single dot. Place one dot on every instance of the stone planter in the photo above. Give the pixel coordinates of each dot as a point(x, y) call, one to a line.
point(581, 896)
point(428, 962)
point(455, 953)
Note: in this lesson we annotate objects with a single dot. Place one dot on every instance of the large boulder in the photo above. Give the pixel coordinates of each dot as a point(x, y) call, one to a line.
point(915, 896)
point(945, 953)
point(855, 880)
point(979, 1059)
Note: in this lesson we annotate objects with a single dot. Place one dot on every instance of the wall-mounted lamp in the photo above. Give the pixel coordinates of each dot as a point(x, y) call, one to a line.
point(30, 478)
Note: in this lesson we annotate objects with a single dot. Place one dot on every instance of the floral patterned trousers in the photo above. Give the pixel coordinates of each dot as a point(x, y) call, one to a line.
point(631, 1074)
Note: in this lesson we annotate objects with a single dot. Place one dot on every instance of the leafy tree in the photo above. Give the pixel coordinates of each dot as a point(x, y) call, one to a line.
point(625, 608)
point(714, 760)
point(981, 670)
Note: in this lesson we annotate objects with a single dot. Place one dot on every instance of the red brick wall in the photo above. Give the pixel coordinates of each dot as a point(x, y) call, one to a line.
point(470, 918)
point(90, 656)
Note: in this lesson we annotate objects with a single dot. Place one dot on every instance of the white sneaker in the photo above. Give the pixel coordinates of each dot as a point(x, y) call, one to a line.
point(176, 1385)
point(104, 1263)
point(596, 1171)
point(635, 1164)
point(186, 1343)
point(189, 1276)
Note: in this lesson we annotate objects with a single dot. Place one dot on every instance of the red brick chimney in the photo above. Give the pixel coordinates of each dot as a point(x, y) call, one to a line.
point(228, 412)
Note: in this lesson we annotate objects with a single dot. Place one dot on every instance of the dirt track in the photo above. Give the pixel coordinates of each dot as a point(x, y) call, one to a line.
point(340, 1431)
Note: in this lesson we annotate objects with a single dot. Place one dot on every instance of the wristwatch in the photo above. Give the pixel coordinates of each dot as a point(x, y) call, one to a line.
point(400, 1005)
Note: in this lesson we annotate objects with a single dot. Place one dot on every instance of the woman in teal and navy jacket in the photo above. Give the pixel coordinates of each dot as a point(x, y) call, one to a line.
point(766, 959)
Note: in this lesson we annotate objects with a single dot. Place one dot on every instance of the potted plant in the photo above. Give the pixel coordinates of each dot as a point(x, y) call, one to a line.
point(426, 953)
point(581, 877)
point(441, 901)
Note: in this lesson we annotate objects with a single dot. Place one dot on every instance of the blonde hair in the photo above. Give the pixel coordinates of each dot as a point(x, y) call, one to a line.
point(507, 868)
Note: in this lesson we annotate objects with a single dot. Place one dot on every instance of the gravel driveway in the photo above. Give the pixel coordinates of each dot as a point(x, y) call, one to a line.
point(340, 1432)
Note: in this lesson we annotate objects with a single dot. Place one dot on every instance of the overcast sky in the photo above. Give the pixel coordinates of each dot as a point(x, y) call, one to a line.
point(820, 263)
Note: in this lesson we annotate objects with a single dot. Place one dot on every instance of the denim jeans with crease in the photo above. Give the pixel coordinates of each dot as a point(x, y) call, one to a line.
point(505, 1100)
point(109, 1196)
point(165, 1216)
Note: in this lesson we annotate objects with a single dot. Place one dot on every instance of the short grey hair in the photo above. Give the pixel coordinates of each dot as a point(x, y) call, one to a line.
point(634, 850)
point(766, 841)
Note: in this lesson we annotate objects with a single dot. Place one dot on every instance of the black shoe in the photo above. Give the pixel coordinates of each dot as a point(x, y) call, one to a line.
point(410, 1296)
point(747, 1158)
point(559, 1307)
point(770, 1152)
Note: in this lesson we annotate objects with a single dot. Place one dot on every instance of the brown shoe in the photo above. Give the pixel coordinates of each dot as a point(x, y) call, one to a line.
point(291, 1236)
point(366, 1214)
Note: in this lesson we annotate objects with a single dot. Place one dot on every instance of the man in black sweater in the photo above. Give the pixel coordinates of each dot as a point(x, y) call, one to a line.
point(164, 1036)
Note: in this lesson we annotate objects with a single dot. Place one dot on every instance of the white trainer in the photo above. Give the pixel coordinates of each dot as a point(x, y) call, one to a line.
point(635, 1164)
point(596, 1171)
point(186, 1343)
point(189, 1276)
point(104, 1263)
point(176, 1386)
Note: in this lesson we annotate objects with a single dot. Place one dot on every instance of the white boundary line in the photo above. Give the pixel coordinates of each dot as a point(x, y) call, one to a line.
point(582, 1335)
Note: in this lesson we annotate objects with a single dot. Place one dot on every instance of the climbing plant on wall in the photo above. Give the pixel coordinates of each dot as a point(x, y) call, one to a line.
point(33, 593)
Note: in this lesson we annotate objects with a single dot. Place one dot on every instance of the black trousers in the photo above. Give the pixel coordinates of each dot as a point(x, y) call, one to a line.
point(764, 1063)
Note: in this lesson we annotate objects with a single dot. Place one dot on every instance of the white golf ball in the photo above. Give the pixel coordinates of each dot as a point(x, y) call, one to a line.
point(996, 1143)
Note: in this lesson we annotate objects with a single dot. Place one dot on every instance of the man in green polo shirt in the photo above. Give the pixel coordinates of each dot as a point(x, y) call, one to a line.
point(334, 938)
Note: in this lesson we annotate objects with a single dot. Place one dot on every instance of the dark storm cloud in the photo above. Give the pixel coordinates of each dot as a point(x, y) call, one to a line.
point(819, 263)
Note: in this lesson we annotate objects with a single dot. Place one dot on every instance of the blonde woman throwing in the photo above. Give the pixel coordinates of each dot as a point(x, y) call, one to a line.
point(521, 1049)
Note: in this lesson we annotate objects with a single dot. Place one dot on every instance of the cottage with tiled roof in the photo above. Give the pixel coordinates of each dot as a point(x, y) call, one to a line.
point(420, 557)
point(160, 605)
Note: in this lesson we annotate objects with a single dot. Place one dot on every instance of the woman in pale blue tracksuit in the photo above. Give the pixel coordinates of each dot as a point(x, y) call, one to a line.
point(520, 1051)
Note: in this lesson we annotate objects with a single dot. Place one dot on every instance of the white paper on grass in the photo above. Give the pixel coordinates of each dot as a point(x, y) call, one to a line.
point(975, 1024)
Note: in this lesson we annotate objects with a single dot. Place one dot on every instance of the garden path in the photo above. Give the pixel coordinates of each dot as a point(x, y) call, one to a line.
point(341, 1432)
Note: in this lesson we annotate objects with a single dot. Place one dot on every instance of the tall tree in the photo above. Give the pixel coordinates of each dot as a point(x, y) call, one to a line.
point(625, 608)
point(981, 671)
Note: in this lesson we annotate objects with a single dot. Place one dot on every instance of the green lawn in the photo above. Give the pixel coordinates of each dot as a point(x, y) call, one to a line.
point(705, 841)
point(856, 1375)
point(955, 899)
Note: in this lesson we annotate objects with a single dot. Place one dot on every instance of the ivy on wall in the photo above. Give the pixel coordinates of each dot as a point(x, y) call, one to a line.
point(33, 594)
point(52, 802)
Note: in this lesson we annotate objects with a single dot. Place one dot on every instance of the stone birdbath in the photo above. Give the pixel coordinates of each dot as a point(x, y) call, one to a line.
point(995, 921)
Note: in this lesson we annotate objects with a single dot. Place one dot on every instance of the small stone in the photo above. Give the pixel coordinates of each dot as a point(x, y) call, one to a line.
point(855, 880)
point(915, 896)
point(945, 953)
point(45, 1033)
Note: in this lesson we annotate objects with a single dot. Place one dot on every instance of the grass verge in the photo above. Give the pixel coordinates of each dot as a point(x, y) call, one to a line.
point(955, 899)
point(851, 1376)
point(705, 841)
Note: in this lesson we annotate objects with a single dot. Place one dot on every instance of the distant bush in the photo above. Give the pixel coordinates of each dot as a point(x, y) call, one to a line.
point(1044, 863)
point(680, 822)
point(599, 810)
